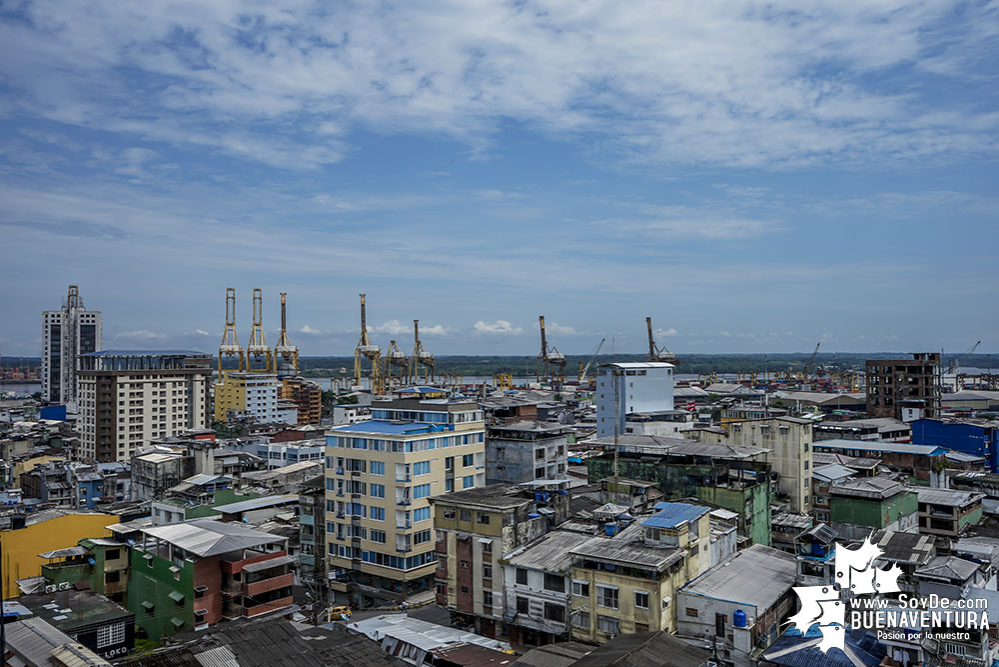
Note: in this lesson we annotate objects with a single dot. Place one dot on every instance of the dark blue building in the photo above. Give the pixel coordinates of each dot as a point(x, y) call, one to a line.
point(961, 435)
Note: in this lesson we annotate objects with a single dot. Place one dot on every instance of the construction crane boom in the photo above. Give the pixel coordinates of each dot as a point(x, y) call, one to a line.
point(284, 348)
point(586, 369)
point(551, 362)
point(366, 350)
point(657, 353)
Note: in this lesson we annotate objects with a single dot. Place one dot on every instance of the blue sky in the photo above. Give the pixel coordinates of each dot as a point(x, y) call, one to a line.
point(756, 177)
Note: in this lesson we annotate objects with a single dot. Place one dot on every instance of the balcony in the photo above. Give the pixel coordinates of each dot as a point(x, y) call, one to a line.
point(405, 525)
point(406, 477)
point(403, 502)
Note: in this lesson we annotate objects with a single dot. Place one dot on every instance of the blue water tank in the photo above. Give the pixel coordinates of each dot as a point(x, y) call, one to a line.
point(610, 529)
point(739, 618)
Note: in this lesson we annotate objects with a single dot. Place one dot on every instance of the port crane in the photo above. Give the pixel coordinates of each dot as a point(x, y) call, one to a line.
point(584, 370)
point(955, 363)
point(420, 357)
point(284, 348)
point(657, 353)
point(551, 362)
point(257, 351)
point(229, 347)
point(367, 350)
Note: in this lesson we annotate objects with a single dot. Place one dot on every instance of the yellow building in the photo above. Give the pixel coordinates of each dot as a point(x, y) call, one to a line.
point(22, 467)
point(628, 583)
point(247, 395)
point(42, 532)
point(380, 475)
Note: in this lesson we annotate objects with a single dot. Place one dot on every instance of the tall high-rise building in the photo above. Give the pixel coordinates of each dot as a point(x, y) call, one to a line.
point(380, 476)
point(66, 334)
point(905, 389)
point(129, 397)
point(645, 386)
point(252, 394)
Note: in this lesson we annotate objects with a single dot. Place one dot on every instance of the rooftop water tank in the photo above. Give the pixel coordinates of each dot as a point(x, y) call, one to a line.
point(739, 618)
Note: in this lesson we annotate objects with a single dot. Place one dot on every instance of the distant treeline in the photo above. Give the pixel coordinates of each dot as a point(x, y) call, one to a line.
point(689, 363)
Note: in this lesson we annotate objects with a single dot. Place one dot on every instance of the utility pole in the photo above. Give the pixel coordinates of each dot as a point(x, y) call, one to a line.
point(617, 412)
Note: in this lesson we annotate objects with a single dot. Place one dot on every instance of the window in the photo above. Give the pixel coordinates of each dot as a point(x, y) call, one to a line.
point(468, 460)
point(377, 513)
point(465, 515)
point(554, 612)
point(607, 596)
point(487, 571)
point(607, 624)
point(449, 513)
point(378, 536)
point(421, 537)
point(377, 490)
point(554, 582)
point(522, 605)
point(421, 468)
point(642, 599)
point(581, 620)
point(468, 482)
point(581, 588)
point(483, 518)
point(691, 612)
point(421, 514)
point(463, 564)
point(521, 576)
point(377, 467)
point(719, 625)
point(112, 577)
point(112, 554)
point(487, 547)
point(109, 635)
point(421, 491)
point(487, 599)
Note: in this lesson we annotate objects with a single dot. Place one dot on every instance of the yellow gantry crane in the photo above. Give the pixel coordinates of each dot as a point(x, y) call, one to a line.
point(657, 353)
point(420, 357)
point(367, 350)
point(229, 347)
point(257, 350)
point(551, 362)
point(394, 358)
point(584, 370)
point(284, 348)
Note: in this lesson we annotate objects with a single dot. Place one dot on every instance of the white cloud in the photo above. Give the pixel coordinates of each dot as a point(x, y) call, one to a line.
point(141, 334)
point(726, 334)
point(665, 332)
point(560, 329)
point(392, 327)
point(306, 329)
point(202, 332)
point(435, 330)
point(667, 84)
point(497, 327)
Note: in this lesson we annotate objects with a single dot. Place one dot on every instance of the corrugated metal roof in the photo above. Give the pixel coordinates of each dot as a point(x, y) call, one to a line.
point(672, 515)
point(756, 576)
point(258, 503)
point(879, 446)
point(210, 538)
point(832, 472)
point(550, 553)
point(267, 564)
point(948, 497)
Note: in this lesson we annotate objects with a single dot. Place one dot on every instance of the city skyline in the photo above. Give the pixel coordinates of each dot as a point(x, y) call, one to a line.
point(755, 179)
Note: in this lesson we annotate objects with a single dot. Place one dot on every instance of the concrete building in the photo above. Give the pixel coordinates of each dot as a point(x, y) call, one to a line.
point(905, 389)
point(979, 437)
point(476, 529)
point(524, 451)
point(380, 475)
point(190, 576)
point(920, 462)
point(44, 532)
point(758, 583)
point(98, 564)
point(34, 643)
point(307, 395)
point(537, 588)
point(131, 397)
point(734, 478)
point(823, 479)
point(628, 583)
point(789, 441)
point(66, 334)
point(638, 387)
point(242, 395)
point(859, 505)
point(887, 429)
point(312, 530)
point(94, 621)
point(948, 514)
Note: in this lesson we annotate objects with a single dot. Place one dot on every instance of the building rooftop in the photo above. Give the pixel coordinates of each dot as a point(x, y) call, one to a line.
point(71, 609)
point(674, 515)
point(756, 576)
point(879, 446)
point(386, 427)
point(258, 504)
point(791, 521)
point(494, 496)
point(562, 654)
point(832, 472)
point(882, 424)
point(422, 634)
point(868, 487)
point(146, 353)
point(855, 462)
point(948, 497)
point(624, 551)
point(551, 552)
point(646, 649)
point(659, 444)
point(950, 568)
point(36, 641)
point(536, 426)
point(904, 547)
point(211, 538)
point(636, 364)
point(821, 397)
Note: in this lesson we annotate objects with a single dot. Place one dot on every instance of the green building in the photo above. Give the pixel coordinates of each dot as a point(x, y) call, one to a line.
point(857, 506)
point(100, 563)
point(186, 507)
point(735, 478)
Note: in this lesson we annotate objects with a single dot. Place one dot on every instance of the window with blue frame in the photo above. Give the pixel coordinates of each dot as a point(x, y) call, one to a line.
point(468, 482)
point(378, 490)
point(421, 491)
point(377, 467)
point(421, 514)
point(377, 513)
point(421, 468)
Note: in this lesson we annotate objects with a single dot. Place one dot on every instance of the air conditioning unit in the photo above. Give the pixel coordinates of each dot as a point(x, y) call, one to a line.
point(50, 589)
point(64, 586)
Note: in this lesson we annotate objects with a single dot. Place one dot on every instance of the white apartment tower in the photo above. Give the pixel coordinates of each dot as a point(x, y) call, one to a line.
point(130, 397)
point(645, 386)
point(66, 334)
